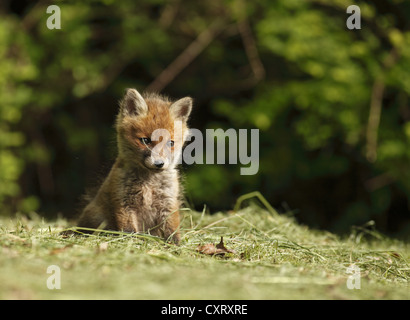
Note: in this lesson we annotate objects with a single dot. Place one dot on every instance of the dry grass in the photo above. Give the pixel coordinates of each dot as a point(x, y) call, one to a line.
point(273, 258)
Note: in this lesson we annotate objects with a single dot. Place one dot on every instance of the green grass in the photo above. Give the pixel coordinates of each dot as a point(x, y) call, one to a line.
point(274, 258)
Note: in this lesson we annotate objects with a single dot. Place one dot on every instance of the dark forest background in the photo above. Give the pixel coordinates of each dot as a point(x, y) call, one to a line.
point(332, 104)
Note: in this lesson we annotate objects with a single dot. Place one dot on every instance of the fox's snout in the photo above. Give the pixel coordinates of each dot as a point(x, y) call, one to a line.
point(159, 163)
point(158, 157)
point(155, 163)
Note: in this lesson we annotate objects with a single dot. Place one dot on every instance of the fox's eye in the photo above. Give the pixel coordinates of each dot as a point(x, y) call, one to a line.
point(170, 143)
point(145, 140)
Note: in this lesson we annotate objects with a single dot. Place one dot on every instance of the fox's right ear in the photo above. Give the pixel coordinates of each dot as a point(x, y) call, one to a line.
point(133, 104)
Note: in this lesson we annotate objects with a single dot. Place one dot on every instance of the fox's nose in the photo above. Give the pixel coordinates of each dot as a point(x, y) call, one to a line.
point(159, 163)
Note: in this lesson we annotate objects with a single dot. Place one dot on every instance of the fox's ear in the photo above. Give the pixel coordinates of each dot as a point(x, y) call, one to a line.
point(181, 109)
point(133, 104)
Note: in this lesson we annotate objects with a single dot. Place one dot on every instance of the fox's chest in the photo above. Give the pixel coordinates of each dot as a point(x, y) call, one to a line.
point(151, 196)
point(159, 198)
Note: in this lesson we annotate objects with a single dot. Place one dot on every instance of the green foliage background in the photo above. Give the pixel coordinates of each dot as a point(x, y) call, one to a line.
point(289, 68)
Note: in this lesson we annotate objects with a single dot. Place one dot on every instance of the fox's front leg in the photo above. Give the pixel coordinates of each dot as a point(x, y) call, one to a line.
point(170, 227)
point(126, 220)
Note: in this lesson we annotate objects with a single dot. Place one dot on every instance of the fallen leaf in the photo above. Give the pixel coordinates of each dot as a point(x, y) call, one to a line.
point(211, 249)
point(222, 247)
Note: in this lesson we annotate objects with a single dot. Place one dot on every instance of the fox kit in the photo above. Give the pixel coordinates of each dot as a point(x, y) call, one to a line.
point(142, 191)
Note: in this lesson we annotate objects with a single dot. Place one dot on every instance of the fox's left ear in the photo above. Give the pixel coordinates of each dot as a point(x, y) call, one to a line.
point(181, 109)
point(133, 104)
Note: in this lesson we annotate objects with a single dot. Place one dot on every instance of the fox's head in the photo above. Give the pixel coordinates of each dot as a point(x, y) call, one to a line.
point(151, 130)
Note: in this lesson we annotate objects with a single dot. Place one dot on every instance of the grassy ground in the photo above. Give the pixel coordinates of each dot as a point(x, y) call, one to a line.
point(273, 258)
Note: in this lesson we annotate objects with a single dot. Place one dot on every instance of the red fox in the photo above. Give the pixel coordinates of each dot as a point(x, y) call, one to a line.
point(142, 191)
